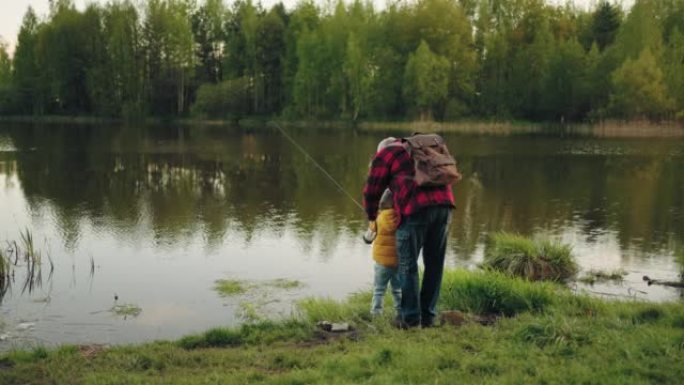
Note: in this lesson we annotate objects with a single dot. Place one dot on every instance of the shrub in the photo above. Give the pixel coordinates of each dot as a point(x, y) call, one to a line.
point(229, 99)
point(518, 256)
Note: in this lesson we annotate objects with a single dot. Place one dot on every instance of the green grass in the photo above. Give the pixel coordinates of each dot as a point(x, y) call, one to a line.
point(534, 260)
point(551, 336)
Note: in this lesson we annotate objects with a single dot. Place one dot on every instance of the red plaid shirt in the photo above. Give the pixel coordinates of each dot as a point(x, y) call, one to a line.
point(393, 167)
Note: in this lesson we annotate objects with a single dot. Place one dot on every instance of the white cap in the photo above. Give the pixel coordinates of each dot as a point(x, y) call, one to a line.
point(385, 142)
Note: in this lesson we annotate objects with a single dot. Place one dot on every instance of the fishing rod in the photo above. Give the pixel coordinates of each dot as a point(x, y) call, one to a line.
point(310, 158)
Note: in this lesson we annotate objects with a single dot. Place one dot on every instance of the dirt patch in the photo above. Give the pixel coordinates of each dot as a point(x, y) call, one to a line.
point(457, 318)
point(6, 363)
point(90, 351)
point(322, 337)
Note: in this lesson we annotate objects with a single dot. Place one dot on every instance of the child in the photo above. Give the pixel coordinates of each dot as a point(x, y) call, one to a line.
point(384, 247)
point(385, 255)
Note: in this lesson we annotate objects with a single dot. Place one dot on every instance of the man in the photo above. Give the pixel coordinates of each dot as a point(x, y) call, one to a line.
point(425, 214)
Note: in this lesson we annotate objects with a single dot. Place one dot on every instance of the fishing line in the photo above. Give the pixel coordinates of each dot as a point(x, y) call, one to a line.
point(306, 154)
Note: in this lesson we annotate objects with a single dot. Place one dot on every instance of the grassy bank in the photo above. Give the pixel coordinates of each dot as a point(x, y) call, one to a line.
point(605, 129)
point(544, 333)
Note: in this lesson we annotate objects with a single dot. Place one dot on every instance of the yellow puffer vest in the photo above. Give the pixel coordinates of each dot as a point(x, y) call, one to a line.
point(385, 244)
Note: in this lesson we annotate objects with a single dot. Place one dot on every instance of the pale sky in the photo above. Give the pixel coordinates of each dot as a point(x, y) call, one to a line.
point(12, 12)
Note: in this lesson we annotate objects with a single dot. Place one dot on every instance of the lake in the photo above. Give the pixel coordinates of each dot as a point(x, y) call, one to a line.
point(152, 217)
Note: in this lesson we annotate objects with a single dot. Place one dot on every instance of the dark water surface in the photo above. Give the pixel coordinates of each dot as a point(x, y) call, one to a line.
point(156, 215)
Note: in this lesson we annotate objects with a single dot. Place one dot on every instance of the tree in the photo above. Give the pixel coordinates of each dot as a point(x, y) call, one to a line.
point(529, 71)
point(639, 90)
point(169, 48)
point(358, 73)
point(99, 74)
point(5, 66)
point(567, 84)
point(65, 57)
point(208, 31)
point(5, 78)
point(605, 24)
point(673, 68)
point(426, 80)
point(308, 81)
point(27, 91)
point(124, 46)
point(640, 31)
point(270, 53)
point(444, 26)
point(494, 77)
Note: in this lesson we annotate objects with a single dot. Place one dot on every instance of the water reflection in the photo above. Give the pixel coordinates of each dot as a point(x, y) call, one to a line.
point(212, 181)
point(142, 199)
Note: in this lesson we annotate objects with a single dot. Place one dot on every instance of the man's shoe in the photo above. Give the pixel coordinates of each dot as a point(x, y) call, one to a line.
point(403, 325)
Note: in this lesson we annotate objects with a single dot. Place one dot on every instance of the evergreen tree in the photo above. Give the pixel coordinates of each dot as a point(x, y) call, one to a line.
point(270, 54)
point(605, 24)
point(27, 98)
point(5, 78)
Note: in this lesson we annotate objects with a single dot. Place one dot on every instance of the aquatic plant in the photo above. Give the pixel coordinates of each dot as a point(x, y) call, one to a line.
point(5, 267)
point(523, 257)
point(126, 310)
point(229, 287)
point(282, 283)
point(232, 287)
point(593, 276)
point(30, 253)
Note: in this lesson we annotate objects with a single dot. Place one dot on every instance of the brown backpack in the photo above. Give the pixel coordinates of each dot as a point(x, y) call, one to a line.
point(433, 163)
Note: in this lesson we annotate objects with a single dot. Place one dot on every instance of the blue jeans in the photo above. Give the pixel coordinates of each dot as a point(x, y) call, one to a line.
point(427, 230)
point(383, 275)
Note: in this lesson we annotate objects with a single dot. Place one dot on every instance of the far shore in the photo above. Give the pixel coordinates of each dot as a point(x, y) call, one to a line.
point(603, 129)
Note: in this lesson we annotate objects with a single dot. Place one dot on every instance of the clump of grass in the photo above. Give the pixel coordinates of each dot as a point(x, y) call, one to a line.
point(126, 310)
point(522, 257)
point(494, 293)
point(593, 276)
point(230, 287)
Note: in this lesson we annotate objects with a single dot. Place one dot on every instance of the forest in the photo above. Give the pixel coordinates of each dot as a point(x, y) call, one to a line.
point(441, 60)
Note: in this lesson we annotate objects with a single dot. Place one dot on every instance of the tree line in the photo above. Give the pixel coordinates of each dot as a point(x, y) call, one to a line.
point(425, 59)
